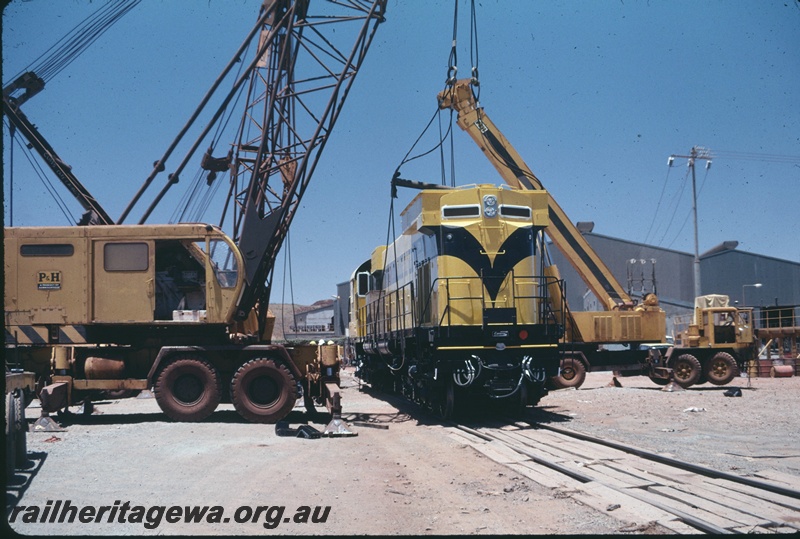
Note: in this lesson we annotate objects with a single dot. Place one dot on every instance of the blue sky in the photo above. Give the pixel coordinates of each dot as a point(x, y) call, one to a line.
point(595, 96)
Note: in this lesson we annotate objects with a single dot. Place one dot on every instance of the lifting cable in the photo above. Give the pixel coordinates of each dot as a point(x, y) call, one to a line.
point(195, 201)
point(58, 57)
point(39, 171)
point(452, 72)
point(451, 78)
point(287, 270)
point(77, 40)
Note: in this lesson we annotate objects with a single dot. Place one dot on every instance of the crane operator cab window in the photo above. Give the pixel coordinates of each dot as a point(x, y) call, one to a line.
point(224, 263)
point(180, 279)
point(724, 327)
point(181, 276)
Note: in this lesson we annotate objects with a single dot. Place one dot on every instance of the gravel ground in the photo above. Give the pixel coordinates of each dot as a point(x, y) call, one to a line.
point(402, 474)
point(760, 429)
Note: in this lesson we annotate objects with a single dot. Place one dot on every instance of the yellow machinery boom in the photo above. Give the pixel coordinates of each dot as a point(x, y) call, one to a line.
point(640, 322)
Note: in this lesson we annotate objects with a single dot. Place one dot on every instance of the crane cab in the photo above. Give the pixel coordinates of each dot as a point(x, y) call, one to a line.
point(63, 281)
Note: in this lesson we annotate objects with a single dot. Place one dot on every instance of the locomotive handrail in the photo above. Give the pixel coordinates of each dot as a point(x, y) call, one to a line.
point(388, 314)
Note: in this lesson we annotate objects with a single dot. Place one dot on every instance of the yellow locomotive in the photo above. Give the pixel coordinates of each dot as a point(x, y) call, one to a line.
point(457, 308)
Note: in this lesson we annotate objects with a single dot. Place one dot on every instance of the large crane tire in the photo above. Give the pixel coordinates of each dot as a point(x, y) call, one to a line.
point(188, 388)
point(721, 369)
point(571, 374)
point(686, 370)
point(263, 390)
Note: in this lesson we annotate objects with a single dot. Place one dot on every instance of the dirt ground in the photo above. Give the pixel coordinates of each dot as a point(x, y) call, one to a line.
point(402, 474)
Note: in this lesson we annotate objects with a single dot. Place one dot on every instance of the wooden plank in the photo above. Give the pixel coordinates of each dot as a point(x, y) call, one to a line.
point(545, 476)
point(792, 481)
point(631, 510)
point(655, 471)
point(773, 497)
point(719, 492)
point(759, 529)
point(696, 512)
point(753, 505)
point(563, 452)
point(598, 472)
point(585, 450)
point(625, 479)
point(464, 438)
point(547, 453)
point(500, 452)
point(734, 516)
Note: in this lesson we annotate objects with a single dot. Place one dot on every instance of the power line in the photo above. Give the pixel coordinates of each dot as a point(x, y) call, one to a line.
point(754, 156)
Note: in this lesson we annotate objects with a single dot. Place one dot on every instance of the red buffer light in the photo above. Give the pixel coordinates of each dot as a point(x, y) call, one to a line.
point(523, 335)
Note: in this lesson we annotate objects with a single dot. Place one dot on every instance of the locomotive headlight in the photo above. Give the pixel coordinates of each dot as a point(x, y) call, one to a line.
point(490, 205)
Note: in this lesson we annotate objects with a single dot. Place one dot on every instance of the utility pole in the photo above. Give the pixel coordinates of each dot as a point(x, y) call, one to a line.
point(696, 153)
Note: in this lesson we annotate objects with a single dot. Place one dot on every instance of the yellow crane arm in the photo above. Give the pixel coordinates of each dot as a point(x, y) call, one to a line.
point(511, 166)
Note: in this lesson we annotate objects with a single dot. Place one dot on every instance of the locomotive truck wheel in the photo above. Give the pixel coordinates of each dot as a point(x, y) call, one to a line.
point(263, 391)
point(571, 374)
point(21, 445)
point(686, 370)
point(721, 369)
point(518, 404)
point(446, 402)
point(188, 388)
point(11, 435)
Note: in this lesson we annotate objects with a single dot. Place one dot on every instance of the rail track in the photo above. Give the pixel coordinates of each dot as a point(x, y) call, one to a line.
point(637, 486)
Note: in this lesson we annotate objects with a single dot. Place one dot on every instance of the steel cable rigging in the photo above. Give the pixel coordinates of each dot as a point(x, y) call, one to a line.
point(452, 71)
point(451, 77)
point(32, 80)
point(76, 41)
point(40, 173)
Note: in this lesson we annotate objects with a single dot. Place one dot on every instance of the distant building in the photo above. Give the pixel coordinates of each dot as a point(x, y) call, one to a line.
point(313, 324)
point(642, 268)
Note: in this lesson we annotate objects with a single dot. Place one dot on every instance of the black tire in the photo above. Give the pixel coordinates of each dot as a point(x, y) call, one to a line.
point(263, 391)
point(721, 369)
point(572, 373)
point(188, 388)
point(659, 381)
point(687, 370)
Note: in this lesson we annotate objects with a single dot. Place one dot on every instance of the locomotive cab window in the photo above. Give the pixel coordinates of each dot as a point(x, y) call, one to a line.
point(515, 212)
point(363, 284)
point(459, 212)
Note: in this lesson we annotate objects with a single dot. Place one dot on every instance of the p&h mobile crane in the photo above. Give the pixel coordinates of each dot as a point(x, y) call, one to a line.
point(183, 308)
point(713, 347)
